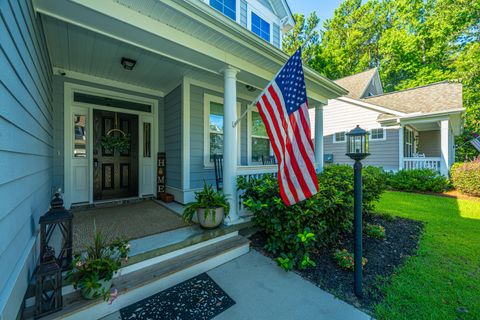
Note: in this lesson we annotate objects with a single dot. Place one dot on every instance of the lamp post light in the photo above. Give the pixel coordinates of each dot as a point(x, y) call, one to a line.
point(357, 149)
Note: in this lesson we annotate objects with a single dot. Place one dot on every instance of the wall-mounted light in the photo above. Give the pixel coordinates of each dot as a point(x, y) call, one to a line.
point(128, 64)
point(250, 88)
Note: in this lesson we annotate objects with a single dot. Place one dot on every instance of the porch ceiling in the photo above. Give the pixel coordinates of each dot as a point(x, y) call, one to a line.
point(220, 43)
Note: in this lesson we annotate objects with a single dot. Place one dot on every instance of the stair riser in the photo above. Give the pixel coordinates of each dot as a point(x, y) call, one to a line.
point(100, 310)
point(137, 266)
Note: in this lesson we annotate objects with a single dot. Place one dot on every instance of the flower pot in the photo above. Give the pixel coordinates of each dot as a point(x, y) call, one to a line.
point(167, 197)
point(92, 294)
point(213, 219)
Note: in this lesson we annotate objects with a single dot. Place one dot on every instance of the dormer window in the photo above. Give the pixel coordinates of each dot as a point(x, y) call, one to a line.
point(227, 7)
point(260, 27)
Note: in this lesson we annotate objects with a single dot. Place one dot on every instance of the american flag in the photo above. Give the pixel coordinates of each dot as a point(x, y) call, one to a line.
point(284, 109)
point(476, 143)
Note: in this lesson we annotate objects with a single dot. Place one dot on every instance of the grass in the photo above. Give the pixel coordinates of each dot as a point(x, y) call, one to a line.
point(443, 280)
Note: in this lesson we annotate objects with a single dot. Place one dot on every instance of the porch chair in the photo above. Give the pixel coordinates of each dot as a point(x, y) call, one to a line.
point(218, 164)
point(269, 160)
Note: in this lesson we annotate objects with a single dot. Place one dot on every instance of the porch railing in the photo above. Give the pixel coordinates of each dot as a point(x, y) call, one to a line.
point(422, 163)
point(251, 172)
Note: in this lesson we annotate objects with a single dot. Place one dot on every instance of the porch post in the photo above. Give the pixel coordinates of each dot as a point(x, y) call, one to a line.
point(400, 147)
point(230, 140)
point(445, 161)
point(319, 137)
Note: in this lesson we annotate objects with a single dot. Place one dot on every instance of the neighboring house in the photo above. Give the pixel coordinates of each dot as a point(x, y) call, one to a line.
point(173, 74)
point(413, 128)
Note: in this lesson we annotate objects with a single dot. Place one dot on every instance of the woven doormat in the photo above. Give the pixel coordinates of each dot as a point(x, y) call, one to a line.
point(199, 298)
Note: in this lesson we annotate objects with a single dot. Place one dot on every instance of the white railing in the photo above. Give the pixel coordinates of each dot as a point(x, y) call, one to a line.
point(251, 172)
point(421, 163)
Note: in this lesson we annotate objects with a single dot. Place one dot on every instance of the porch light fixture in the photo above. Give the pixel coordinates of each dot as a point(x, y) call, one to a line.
point(357, 149)
point(250, 88)
point(128, 63)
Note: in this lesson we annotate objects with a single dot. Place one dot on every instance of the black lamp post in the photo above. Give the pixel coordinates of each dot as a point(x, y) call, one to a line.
point(357, 149)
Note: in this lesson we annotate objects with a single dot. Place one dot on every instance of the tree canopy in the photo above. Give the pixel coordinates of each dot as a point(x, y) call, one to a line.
point(411, 42)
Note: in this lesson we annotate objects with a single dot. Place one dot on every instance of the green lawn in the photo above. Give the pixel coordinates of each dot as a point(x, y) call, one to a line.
point(443, 280)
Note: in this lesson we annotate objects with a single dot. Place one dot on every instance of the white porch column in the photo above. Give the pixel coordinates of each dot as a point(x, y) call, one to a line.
point(230, 140)
point(400, 148)
point(319, 137)
point(445, 138)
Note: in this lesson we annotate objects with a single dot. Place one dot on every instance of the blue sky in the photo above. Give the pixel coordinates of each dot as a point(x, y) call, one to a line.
point(324, 8)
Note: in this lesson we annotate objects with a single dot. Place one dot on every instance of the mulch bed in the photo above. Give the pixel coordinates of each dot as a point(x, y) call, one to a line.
point(384, 256)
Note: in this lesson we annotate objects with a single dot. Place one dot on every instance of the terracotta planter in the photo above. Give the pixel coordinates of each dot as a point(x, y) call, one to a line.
point(105, 287)
point(213, 219)
point(167, 197)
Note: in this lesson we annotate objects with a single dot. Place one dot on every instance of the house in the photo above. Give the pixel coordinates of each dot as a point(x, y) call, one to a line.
point(172, 75)
point(409, 129)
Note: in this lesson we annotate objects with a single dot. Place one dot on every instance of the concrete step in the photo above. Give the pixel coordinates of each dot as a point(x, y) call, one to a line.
point(138, 284)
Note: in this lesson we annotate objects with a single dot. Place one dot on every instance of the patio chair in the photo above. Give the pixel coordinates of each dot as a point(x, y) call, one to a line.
point(218, 164)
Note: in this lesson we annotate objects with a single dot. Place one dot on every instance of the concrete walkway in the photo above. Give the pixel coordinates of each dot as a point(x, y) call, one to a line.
point(262, 290)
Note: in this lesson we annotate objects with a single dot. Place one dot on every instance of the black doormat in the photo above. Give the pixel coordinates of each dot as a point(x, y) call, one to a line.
point(199, 298)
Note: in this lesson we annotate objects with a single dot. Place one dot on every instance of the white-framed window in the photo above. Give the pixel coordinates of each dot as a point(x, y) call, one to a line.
point(213, 128)
point(258, 141)
point(227, 7)
point(339, 137)
point(378, 134)
point(260, 27)
point(408, 142)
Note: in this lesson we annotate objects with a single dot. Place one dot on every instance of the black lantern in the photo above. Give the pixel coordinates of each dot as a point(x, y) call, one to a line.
point(48, 290)
point(357, 149)
point(357, 144)
point(56, 227)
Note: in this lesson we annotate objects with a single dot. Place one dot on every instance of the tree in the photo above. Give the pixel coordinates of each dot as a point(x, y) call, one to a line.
point(304, 34)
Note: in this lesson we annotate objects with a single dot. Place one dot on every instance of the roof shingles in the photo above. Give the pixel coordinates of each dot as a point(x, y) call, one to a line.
point(357, 83)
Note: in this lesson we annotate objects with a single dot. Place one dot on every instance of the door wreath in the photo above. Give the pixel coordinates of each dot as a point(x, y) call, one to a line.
point(111, 142)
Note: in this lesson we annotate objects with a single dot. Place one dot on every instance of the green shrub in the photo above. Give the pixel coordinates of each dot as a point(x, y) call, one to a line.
point(326, 215)
point(345, 259)
point(375, 231)
point(418, 180)
point(466, 177)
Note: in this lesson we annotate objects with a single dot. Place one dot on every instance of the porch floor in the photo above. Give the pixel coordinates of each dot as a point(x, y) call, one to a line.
point(129, 221)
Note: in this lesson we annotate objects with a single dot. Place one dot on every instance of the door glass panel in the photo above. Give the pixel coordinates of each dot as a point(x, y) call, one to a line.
point(146, 140)
point(80, 136)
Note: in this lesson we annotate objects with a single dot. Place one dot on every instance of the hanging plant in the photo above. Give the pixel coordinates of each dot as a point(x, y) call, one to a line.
point(119, 143)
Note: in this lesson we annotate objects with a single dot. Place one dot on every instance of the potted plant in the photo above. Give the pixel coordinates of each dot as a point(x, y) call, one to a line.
point(210, 206)
point(93, 270)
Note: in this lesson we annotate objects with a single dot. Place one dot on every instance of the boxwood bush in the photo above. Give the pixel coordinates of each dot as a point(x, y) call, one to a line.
point(424, 180)
point(327, 214)
point(466, 177)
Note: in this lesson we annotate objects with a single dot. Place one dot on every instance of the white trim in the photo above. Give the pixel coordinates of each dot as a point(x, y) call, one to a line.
point(381, 139)
point(185, 153)
point(70, 106)
point(107, 82)
point(207, 99)
point(335, 138)
point(371, 106)
point(219, 89)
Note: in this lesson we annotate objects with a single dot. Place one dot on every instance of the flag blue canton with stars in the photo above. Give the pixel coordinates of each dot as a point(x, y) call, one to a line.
point(291, 82)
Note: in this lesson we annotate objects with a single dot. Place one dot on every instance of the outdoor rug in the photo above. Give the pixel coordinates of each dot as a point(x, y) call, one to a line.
point(199, 298)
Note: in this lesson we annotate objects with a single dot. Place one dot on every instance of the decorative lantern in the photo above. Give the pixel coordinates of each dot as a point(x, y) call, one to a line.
point(357, 149)
point(357, 144)
point(56, 226)
point(48, 295)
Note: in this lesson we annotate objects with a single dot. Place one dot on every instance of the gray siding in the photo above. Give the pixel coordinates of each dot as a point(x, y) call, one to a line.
point(173, 137)
point(383, 153)
point(276, 35)
point(58, 118)
point(429, 142)
point(243, 13)
point(198, 172)
point(26, 147)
